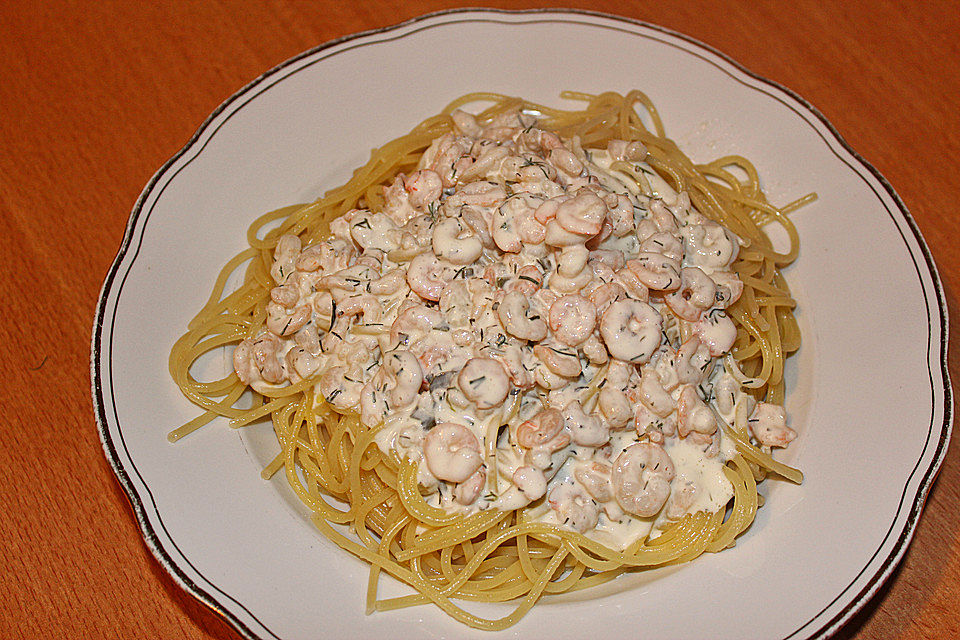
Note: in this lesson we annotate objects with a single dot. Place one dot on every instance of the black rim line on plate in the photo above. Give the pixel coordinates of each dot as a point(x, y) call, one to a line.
point(137, 502)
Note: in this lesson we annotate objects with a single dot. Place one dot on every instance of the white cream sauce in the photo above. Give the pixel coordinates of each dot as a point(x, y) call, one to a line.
point(472, 322)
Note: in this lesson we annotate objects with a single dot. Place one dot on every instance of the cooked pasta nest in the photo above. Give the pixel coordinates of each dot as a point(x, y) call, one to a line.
point(332, 459)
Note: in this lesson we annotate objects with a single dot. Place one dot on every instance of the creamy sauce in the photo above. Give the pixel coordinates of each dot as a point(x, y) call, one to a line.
point(536, 325)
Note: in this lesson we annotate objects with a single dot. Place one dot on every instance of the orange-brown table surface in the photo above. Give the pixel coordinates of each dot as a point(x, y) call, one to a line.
point(95, 96)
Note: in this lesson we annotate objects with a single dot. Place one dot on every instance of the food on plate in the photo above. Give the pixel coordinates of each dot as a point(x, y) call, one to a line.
point(521, 352)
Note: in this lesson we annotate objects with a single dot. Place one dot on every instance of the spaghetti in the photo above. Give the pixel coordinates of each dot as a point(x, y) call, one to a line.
point(445, 346)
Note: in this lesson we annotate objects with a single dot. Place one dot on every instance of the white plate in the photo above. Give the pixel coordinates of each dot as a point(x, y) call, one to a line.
point(869, 391)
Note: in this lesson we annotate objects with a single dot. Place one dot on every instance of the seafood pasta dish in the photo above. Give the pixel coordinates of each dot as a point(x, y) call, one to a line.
point(520, 352)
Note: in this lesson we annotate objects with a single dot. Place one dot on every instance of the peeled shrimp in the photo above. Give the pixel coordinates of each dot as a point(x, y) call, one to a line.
point(641, 478)
point(452, 452)
point(484, 381)
point(631, 330)
point(768, 424)
point(572, 319)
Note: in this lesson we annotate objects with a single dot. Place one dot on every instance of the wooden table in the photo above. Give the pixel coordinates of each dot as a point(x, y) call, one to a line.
point(94, 97)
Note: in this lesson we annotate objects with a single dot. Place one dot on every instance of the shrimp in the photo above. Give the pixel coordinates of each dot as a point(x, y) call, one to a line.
point(531, 482)
point(615, 407)
point(514, 315)
point(467, 492)
point(452, 452)
point(477, 194)
point(341, 389)
point(404, 377)
point(413, 323)
point(285, 322)
point(665, 243)
point(709, 245)
point(595, 351)
point(574, 507)
point(709, 443)
point(308, 339)
point(530, 169)
point(465, 123)
point(550, 141)
point(653, 395)
point(565, 160)
point(557, 236)
point(645, 229)
point(396, 203)
point(340, 227)
point(570, 285)
point(348, 281)
point(301, 364)
point(456, 302)
point(547, 210)
point(424, 187)
point(417, 233)
point(681, 499)
point(665, 368)
point(543, 432)
point(662, 216)
point(623, 150)
point(334, 336)
point(500, 132)
point(606, 230)
point(375, 231)
point(646, 423)
point(693, 414)
point(620, 216)
point(572, 319)
point(621, 374)
point(512, 360)
point(484, 381)
point(656, 271)
point(364, 304)
point(285, 295)
point(631, 330)
point(768, 424)
point(304, 283)
point(503, 225)
point(314, 257)
point(605, 295)
point(452, 242)
point(641, 478)
point(531, 232)
point(545, 298)
point(729, 288)
point(631, 284)
point(725, 392)
point(608, 257)
point(425, 276)
point(696, 294)
point(373, 403)
point(449, 156)
point(693, 361)
point(528, 281)
point(285, 257)
point(562, 363)
point(391, 282)
point(572, 260)
point(255, 361)
point(487, 162)
point(716, 331)
point(583, 214)
point(547, 379)
point(432, 354)
point(475, 220)
point(585, 430)
point(595, 478)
